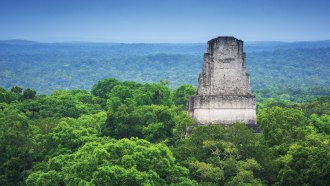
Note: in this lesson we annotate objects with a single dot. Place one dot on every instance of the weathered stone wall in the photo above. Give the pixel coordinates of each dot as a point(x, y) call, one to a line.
point(224, 69)
point(224, 94)
point(222, 109)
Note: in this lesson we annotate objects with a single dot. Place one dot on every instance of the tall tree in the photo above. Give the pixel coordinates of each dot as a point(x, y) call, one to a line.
point(112, 162)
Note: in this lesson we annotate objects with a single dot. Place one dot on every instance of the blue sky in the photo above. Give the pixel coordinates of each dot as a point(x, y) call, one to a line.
point(164, 20)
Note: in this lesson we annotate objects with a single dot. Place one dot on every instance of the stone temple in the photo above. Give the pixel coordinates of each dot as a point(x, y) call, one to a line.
point(224, 93)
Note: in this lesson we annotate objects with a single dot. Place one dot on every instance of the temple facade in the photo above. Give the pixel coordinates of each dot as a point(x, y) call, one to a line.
point(224, 93)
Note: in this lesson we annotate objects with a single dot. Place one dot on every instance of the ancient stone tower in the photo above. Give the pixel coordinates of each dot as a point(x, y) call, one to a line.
point(224, 94)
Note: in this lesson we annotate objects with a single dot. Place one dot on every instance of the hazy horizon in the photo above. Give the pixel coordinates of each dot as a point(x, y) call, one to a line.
point(109, 42)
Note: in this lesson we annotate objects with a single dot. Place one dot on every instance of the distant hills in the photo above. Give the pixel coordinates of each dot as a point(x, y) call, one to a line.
point(277, 45)
point(18, 42)
point(250, 46)
point(282, 67)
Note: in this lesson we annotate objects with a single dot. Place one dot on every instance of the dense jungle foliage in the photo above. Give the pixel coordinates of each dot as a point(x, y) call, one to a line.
point(129, 133)
point(134, 130)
